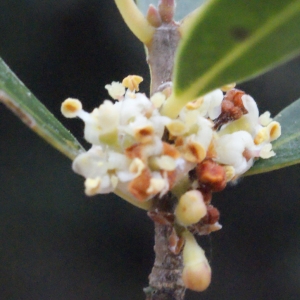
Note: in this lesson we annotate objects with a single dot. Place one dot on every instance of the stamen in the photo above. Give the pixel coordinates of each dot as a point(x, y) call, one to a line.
point(177, 128)
point(228, 87)
point(92, 186)
point(132, 82)
point(70, 107)
point(116, 90)
point(274, 129)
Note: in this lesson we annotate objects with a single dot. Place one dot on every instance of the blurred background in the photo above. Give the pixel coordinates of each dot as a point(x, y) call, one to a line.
point(58, 244)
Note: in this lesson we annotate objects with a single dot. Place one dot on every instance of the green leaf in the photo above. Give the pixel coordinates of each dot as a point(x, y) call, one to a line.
point(231, 41)
point(287, 147)
point(15, 95)
point(183, 7)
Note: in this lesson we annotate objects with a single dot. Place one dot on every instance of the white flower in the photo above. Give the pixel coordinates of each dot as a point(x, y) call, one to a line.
point(211, 106)
point(92, 163)
point(248, 122)
point(129, 156)
point(266, 151)
point(116, 90)
point(230, 150)
point(101, 123)
point(265, 118)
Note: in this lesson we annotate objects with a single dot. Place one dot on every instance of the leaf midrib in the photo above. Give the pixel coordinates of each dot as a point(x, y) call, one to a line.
point(233, 55)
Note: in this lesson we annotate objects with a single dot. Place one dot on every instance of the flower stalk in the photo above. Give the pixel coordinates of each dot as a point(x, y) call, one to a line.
point(135, 20)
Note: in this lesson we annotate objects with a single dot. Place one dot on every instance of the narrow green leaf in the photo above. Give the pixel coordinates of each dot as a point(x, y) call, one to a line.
point(231, 41)
point(287, 147)
point(15, 95)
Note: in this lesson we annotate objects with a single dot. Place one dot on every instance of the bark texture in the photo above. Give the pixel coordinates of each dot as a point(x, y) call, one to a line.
point(165, 279)
point(161, 53)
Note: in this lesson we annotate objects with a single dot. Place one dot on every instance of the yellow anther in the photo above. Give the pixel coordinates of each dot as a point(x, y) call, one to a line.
point(144, 134)
point(156, 186)
point(163, 162)
point(262, 136)
point(228, 87)
point(92, 186)
point(177, 128)
point(229, 172)
point(70, 107)
point(194, 152)
point(114, 180)
point(274, 129)
point(195, 104)
point(137, 166)
point(132, 82)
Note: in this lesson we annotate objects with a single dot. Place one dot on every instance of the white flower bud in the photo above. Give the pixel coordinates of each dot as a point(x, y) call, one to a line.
point(158, 99)
point(191, 208)
point(265, 119)
point(196, 273)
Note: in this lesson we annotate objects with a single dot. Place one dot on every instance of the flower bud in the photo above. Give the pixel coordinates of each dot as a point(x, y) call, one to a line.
point(212, 174)
point(196, 273)
point(191, 208)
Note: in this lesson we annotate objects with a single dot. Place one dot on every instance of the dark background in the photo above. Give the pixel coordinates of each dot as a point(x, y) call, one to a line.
point(58, 244)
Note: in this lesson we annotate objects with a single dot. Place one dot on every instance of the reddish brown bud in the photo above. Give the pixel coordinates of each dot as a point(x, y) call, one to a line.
point(232, 108)
point(207, 195)
point(235, 96)
point(211, 174)
point(153, 16)
point(166, 10)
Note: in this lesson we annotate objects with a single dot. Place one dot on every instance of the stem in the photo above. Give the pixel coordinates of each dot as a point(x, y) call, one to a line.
point(161, 52)
point(165, 279)
point(165, 282)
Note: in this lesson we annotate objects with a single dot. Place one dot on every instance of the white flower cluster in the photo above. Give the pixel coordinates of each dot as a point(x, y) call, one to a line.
point(138, 151)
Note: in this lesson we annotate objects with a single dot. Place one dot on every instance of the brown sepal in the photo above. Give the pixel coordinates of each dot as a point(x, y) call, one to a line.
point(175, 242)
point(162, 218)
